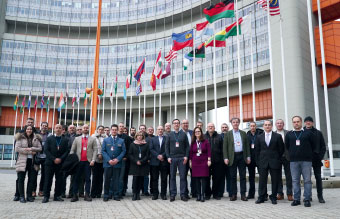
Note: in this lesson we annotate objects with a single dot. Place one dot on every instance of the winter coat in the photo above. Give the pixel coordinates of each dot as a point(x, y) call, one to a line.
point(20, 145)
point(139, 170)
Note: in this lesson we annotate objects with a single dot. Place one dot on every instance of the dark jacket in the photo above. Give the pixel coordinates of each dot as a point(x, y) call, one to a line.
point(304, 151)
point(177, 152)
point(112, 150)
point(269, 155)
point(70, 164)
point(320, 146)
point(139, 170)
point(127, 142)
point(286, 153)
point(251, 140)
point(228, 146)
point(156, 149)
point(216, 144)
point(52, 151)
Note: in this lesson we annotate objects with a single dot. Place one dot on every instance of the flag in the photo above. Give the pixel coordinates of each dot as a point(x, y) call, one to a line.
point(78, 94)
point(54, 102)
point(181, 40)
point(102, 89)
point(139, 71)
point(42, 102)
point(111, 97)
point(219, 38)
point(36, 103)
point(48, 103)
point(61, 103)
point(29, 101)
point(199, 52)
point(16, 102)
point(23, 105)
point(129, 79)
point(171, 55)
point(73, 99)
point(244, 27)
point(139, 88)
point(186, 61)
point(167, 71)
point(66, 94)
point(223, 9)
point(274, 6)
point(152, 82)
point(203, 29)
point(158, 66)
point(85, 100)
point(116, 85)
point(124, 93)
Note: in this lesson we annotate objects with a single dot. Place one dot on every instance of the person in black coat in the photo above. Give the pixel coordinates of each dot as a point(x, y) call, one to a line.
point(269, 149)
point(158, 164)
point(56, 150)
point(319, 153)
point(139, 155)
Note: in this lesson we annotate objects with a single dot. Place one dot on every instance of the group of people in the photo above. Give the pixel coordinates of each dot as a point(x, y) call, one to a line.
point(99, 165)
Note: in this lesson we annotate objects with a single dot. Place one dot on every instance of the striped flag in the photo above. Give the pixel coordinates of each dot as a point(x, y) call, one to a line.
point(61, 103)
point(158, 66)
point(171, 55)
point(16, 102)
point(73, 99)
point(139, 88)
point(48, 103)
point(23, 105)
point(42, 103)
point(29, 101)
point(274, 6)
point(85, 100)
point(36, 103)
point(78, 94)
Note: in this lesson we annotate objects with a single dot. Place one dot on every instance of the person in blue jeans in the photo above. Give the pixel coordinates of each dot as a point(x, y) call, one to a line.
point(300, 144)
point(113, 151)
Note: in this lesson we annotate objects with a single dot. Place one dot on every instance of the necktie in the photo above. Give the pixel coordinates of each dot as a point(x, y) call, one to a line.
point(267, 140)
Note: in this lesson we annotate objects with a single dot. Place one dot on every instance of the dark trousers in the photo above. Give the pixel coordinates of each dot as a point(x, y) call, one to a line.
point(217, 174)
point(274, 174)
point(42, 179)
point(137, 184)
point(83, 168)
point(192, 182)
point(201, 185)
point(178, 163)
point(162, 170)
point(286, 167)
point(126, 176)
point(251, 171)
point(32, 174)
point(111, 181)
point(50, 171)
point(226, 183)
point(97, 179)
point(239, 164)
point(318, 179)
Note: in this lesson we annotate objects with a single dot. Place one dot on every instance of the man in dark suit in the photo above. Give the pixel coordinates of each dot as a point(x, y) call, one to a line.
point(236, 153)
point(269, 149)
point(56, 150)
point(158, 164)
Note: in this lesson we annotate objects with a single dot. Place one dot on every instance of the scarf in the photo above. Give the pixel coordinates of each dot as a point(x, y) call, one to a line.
point(139, 142)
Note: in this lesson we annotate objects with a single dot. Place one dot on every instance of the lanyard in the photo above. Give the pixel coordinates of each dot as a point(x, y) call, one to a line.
point(198, 145)
point(297, 137)
point(176, 137)
point(58, 142)
point(253, 139)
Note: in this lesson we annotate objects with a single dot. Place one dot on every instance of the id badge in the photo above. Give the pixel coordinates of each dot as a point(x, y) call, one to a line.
point(111, 148)
point(140, 155)
point(198, 154)
point(177, 144)
point(252, 146)
point(297, 142)
point(238, 144)
point(84, 148)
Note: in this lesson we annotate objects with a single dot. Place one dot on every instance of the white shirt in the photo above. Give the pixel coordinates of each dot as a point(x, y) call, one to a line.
point(188, 136)
point(238, 147)
point(160, 138)
point(87, 136)
point(268, 136)
point(282, 133)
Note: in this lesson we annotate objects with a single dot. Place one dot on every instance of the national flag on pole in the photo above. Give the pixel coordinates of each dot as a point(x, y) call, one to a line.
point(129, 79)
point(181, 40)
point(274, 6)
point(139, 71)
point(73, 99)
point(61, 103)
point(139, 88)
point(102, 89)
point(23, 105)
point(85, 100)
point(167, 71)
point(203, 29)
point(78, 94)
point(172, 54)
point(16, 102)
point(66, 94)
point(42, 102)
point(111, 90)
point(219, 39)
point(152, 81)
point(220, 10)
point(48, 103)
point(124, 92)
point(29, 101)
point(116, 85)
point(186, 61)
point(244, 27)
point(158, 66)
point(36, 103)
point(199, 52)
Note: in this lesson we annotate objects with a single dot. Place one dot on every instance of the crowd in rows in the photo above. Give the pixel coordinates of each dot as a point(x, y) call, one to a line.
point(99, 165)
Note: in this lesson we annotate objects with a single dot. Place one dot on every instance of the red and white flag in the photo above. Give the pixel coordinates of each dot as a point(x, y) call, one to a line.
point(171, 55)
point(274, 6)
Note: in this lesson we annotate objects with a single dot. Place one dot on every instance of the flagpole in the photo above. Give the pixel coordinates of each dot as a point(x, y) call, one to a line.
point(160, 101)
point(130, 118)
point(144, 101)
point(78, 110)
point(205, 92)
point(271, 63)
point(35, 111)
point(325, 89)
point(239, 67)
point(48, 109)
point(72, 112)
point(104, 88)
point(111, 112)
point(138, 110)
point(176, 89)
point(252, 70)
point(215, 94)
point(15, 129)
point(116, 100)
point(66, 97)
point(22, 117)
point(41, 113)
point(98, 116)
point(227, 80)
point(29, 108)
point(312, 56)
point(154, 109)
point(85, 111)
point(54, 102)
point(186, 90)
point(194, 80)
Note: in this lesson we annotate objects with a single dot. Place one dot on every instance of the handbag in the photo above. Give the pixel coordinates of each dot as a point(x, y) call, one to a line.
point(39, 158)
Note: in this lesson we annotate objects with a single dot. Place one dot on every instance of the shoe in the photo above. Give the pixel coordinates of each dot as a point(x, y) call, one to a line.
point(105, 199)
point(45, 200)
point(30, 199)
point(116, 199)
point(69, 196)
point(134, 197)
point(138, 196)
point(266, 198)
point(154, 197)
point(307, 203)
point(290, 198)
point(184, 199)
point(250, 197)
point(259, 201)
point(217, 197)
point(34, 194)
point(203, 198)
point(207, 198)
point(41, 194)
point(22, 200)
point(16, 198)
point(163, 197)
point(63, 196)
point(296, 203)
point(98, 196)
point(198, 198)
point(58, 199)
point(280, 197)
point(321, 200)
point(311, 199)
point(87, 198)
point(274, 202)
point(172, 198)
point(81, 195)
point(147, 194)
point(75, 198)
point(244, 198)
point(233, 198)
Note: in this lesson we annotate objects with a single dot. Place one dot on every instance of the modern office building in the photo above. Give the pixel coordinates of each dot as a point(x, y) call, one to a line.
point(50, 45)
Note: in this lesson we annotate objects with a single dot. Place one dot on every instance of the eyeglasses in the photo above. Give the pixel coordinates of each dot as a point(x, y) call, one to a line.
point(197, 131)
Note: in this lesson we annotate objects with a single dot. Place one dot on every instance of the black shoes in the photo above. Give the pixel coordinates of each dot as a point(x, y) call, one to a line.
point(163, 197)
point(30, 199)
point(154, 197)
point(259, 201)
point(217, 197)
point(233, 198)
point(172, 198)
point(296, 203)
point(206, 198)
point(307, 203)
point(203, 198)
point(185, 199)
point(321, 200)
point(146, 194)
point(45, 200)
point(198, 198)
point(244, 198)
point(58, 199)
point(250, 197)
point(138, 196)
point(75, 198)
point(116, 199)
point(106, 199)
point(16, 198)
point(134, 197)
point(22, 200)
point(274, 202)
point(87, 198)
